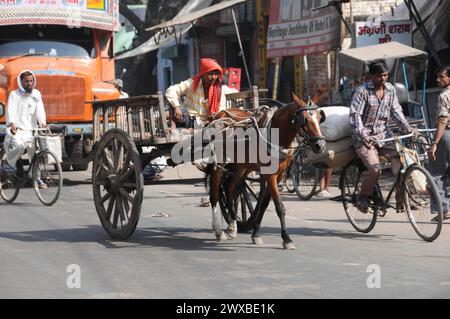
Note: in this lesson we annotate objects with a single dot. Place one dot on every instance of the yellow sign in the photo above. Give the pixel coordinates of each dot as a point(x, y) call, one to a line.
point(96, 4)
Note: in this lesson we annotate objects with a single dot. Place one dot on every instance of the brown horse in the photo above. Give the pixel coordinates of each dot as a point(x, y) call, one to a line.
point(290, 120)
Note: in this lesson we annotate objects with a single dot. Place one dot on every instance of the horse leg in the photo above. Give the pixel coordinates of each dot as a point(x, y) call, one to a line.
point(214, 185)
point(261, 209)
point(230, 189)
point(272, 186)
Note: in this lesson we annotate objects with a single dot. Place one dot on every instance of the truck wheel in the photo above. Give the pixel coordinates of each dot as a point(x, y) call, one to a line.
point(65, 156)
point(77, 154)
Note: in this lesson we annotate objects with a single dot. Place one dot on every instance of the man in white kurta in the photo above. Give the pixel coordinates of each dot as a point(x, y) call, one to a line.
point(25, 112)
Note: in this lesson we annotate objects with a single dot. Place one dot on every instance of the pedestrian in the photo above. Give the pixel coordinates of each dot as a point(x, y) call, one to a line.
point(439, 153)
point(324, 183)
point(373, 104)
point(25, 112)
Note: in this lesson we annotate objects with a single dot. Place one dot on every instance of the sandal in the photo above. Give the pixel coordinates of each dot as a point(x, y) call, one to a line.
point(445, 216)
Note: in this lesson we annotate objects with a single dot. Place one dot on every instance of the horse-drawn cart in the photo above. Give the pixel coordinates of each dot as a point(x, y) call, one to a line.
point(123, 129)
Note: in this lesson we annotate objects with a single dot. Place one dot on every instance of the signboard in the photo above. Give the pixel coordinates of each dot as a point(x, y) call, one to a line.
point(295, 29)
point(367, 33)
point(97, 14)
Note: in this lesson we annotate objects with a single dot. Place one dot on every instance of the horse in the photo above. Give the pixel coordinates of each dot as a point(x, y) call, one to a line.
point(291, 119)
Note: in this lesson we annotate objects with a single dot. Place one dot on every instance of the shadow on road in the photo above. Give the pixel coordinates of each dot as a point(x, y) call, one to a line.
point(170, 238)
point(326, 232)
point(176, 238)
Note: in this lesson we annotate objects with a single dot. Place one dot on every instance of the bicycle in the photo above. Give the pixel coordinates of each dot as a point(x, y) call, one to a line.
point(417, 186)
point(301, 178)
point(44, 168)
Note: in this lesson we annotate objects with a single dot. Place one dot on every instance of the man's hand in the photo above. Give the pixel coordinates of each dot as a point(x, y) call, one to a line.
point(44, 125)
point(369, 143)
point(178, 115)
point(432, 152)
point(12, 129)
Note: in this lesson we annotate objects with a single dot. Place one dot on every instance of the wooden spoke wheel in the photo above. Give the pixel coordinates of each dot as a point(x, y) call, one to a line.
point(118, 183)
point(246, 200)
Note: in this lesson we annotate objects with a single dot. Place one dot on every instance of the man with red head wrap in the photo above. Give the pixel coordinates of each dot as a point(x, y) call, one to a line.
point(203, 93)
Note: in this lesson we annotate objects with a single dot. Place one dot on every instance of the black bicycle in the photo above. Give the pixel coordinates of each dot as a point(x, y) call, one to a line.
point(44, 169)
point(302, 178)
point(418, 189)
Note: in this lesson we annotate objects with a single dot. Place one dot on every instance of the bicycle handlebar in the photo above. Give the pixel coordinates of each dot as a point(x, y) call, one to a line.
point(39, 129)
point(400, 137)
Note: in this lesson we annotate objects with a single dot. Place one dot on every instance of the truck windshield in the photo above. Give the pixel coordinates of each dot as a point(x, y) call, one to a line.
point(39, 48)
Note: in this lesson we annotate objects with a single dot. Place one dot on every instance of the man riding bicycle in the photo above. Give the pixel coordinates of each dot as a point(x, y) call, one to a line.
point(373, 104)
point(25, 111)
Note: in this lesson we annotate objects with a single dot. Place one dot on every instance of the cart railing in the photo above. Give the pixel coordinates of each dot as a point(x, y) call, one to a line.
point(248, 100)
point(142, 117)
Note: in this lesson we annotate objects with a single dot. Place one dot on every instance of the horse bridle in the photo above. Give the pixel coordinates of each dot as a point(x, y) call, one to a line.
point(300, 119)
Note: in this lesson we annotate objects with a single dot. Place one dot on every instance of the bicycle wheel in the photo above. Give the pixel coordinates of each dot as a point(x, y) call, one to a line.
point(350, 185)
point(47, 177)
point(288, 179)
point(305, 179)
point(419, 190)
point(9, 182)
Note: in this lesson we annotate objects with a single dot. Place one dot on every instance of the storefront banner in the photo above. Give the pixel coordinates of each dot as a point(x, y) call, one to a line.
point(383, 32)
point(295, 29)
point(98, 14)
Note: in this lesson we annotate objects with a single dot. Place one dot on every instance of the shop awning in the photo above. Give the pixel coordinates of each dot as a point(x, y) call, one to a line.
point(354, 61)
point(196, 15)
point(170, 32)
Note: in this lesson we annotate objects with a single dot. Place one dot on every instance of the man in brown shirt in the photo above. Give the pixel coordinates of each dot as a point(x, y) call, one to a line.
point(439, 152)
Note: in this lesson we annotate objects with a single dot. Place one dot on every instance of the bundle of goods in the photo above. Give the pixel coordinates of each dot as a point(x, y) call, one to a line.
point(337, 132)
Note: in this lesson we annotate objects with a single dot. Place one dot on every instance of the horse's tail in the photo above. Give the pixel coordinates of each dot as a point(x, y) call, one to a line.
point(208, 172)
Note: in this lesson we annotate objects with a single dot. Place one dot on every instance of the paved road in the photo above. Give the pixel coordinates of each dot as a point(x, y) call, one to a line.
point(42, 251)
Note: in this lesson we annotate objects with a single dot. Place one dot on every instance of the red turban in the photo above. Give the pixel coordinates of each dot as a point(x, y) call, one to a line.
point(215, 90)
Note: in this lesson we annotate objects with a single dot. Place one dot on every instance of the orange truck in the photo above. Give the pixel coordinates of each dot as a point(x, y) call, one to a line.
point(68, 44)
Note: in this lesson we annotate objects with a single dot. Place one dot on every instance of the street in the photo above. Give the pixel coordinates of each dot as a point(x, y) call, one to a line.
point(62, 252)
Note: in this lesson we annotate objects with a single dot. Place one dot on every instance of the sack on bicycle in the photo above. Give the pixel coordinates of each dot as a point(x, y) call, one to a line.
point(419, 180)
point(51, 142)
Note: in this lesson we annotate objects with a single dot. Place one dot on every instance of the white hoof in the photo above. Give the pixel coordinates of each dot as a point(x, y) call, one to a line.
point(231, 233)
point(221, 236)
point(232, 229)
point(289, 246)
point(257, 241)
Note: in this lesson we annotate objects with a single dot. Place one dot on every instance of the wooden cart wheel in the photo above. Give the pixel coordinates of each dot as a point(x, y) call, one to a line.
point(246, 200)
point(118, 183)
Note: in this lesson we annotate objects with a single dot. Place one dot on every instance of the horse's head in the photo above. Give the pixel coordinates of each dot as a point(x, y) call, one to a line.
point(306, 122)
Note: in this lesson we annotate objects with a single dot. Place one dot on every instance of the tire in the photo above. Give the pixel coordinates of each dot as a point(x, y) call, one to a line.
point(118, 183)
point(9, 185)
point(418, 189)
point(305, 179)
point(65, 156)
point(350, 183)
point(245, 202)
point(48, 169)
point(77, 154)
